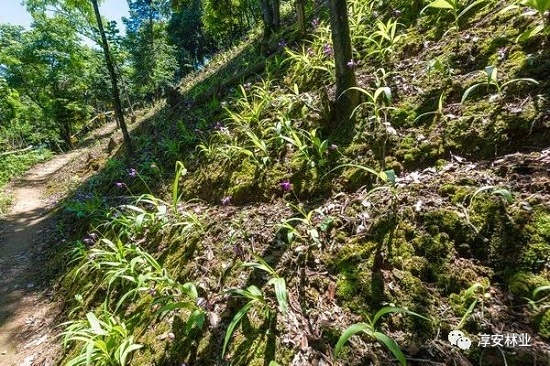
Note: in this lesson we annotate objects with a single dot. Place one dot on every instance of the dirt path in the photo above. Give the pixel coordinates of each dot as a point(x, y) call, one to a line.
point(27, 311)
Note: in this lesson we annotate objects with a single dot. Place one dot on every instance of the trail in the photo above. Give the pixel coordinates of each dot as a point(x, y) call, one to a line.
point(27, 311)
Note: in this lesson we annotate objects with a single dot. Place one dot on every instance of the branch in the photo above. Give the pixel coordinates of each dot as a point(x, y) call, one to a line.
point(16, 151)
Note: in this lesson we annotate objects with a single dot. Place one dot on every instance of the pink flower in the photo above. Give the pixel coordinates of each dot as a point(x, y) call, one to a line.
point(327, 50)
point(285, 185)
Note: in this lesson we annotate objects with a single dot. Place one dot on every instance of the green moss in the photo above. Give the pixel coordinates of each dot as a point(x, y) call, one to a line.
point(542, 322)
point(356, 281)
point(522, 284)
point(456, 193)
point(243, 183)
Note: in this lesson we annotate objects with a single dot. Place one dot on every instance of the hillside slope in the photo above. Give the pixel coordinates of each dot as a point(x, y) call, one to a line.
point(272, 236)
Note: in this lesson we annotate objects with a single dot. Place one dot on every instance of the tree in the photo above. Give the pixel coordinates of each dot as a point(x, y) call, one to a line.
point(153, 59)
point(114, 80)
point(301, 15)
point(83, 14)
point(187, 34)
point(44, 68)
point(346, 98)
point(271, 15)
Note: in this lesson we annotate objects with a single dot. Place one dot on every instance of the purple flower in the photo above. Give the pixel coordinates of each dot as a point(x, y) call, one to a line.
point(315, 22)
point(132, 173)
point(351, 64)
point(333, 147)
point(226, 200)
point(119, 184)
point(286, 186)
point(327, 50)
point(282, 43)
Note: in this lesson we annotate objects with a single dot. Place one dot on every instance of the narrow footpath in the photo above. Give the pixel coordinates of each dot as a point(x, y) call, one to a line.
point(27, 309)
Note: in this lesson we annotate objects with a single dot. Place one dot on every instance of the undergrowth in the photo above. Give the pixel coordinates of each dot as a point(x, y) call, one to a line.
point(275, 241)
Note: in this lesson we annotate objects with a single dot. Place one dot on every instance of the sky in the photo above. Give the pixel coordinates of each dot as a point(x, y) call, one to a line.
point(11, 11)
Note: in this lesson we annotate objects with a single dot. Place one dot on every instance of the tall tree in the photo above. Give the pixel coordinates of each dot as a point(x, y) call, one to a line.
point(187, 34)
point(153, 59)
point(86, 17)
point(45, 66)
point(271, 15)
point(114, 80)
point(346, 98)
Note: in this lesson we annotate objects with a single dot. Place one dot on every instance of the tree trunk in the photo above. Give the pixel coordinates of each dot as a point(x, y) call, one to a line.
point(114, 83)
point(346, 99)
point(301, 14)
point(270, 16)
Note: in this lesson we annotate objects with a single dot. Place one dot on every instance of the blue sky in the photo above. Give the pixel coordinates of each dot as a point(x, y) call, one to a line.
point(11, 11)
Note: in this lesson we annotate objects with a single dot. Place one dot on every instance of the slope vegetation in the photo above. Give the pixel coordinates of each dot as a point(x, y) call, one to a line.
point(245, 234)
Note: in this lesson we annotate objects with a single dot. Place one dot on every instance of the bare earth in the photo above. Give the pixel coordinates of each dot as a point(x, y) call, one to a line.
point(27, 311)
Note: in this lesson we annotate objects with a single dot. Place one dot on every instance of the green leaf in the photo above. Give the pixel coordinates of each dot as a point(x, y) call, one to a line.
point(392, 346)
point(95, 324)
point(348, 333)
point(442, 4)
point(539, 289)
point(391, 309)
point(127, 350)
point(234, 322)
point(527, 80)
point(470, 7)
point(280, 293)
point(385, 90)
point(540, 5)
point(491, 72)
point(196, 319)
point(468, 91)
point(504, 193)
point(439, 4)
point(529, 33)
point(161, 312)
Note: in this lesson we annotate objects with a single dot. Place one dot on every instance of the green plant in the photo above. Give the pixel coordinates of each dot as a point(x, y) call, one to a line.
point(475, 294)
point(86, 206)
point(533, 302)
point(173, 296)
point(309, 147)
point(384, 39)
point(372, 331)
point(377, 101)
point(541, 6)
point(125, 267)
point(313, 60)
point(492, 81)
point(438, 113)
point(257, 298)
point(105, 340)
point(454, 7)
point(176, 196)
point(306, 219)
